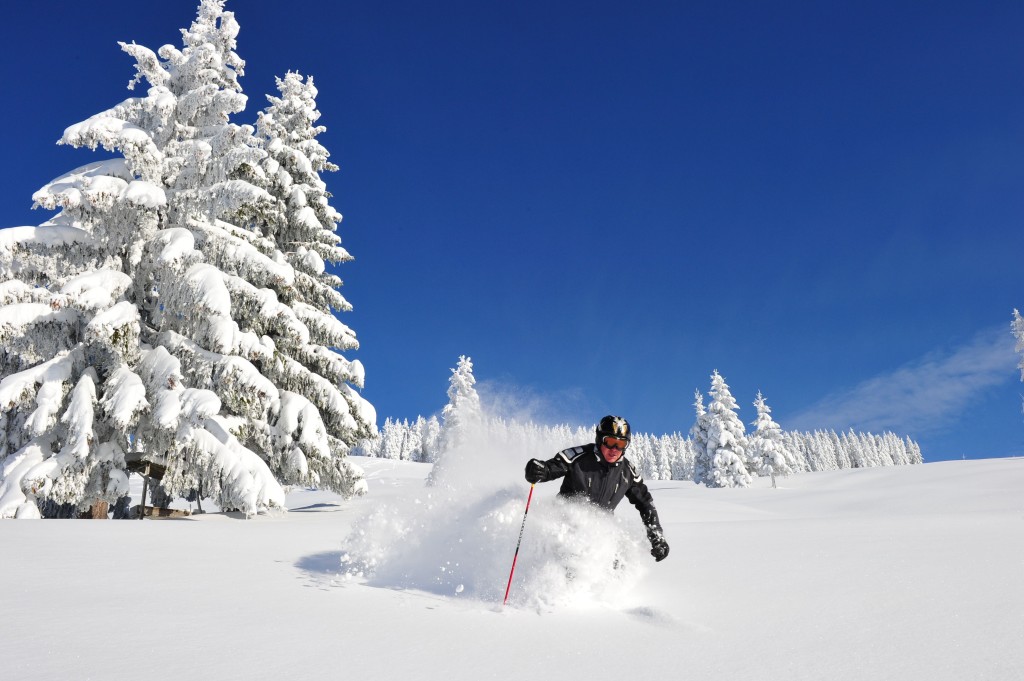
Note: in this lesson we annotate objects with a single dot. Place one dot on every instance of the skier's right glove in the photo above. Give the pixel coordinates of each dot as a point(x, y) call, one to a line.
point(536, 471)
point(659, 547)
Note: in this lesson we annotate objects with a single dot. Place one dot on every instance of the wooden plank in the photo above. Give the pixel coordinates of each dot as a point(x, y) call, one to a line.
point(157, 512)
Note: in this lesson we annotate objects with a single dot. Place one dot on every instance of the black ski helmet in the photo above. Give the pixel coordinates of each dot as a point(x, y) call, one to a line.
point(614, 426)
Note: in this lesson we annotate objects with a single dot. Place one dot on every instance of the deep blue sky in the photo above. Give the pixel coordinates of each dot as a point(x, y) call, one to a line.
point(602, 202)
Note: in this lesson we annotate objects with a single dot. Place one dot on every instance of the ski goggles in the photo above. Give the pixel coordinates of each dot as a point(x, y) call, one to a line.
point(614, 443)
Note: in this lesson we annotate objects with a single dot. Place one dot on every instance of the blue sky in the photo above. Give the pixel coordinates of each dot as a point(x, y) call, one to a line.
point(602, 202)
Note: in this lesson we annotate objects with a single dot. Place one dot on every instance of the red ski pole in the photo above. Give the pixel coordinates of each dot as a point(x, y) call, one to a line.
point(507, 588)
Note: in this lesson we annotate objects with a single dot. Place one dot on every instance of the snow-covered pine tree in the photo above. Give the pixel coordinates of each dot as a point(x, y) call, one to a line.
point(842, 453)
point(812, 457)
point(390, 440)
point(412, 445)
point(880, 447)
point(856, 454)
point(888, 450)
point(913, 450)
point(70, 399)
point(824, 452)
point(1017, 327)
point(461, 418)
point(302, 228)
point(430, 435)
point(682, 462)
point(664, 456)
point(794, 443)
point(727, 446)
point(67, 396)
point(699, 435)
point(641, 454)
point(875, 445)
point(463, 412)
point(184, 342)
point(767, 446)
point(368, 446)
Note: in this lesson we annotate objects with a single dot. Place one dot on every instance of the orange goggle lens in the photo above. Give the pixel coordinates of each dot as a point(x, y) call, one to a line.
point(615, 443)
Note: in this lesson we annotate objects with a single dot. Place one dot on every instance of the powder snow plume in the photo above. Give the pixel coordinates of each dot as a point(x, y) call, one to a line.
point(457, 537)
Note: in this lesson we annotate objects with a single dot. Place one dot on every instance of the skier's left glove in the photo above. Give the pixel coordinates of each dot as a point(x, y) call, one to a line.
point(659, 547)
point(536, 471)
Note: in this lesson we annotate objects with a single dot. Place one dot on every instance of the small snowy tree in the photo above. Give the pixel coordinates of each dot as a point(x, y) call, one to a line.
point(664, 455)
point(1017, 327)
point(699, 435)
point(842, 452)
point(727, 447)
point(767, 446)
point(430, 435)
point(682, 461)
point(391, 436)
point(463, 412)
point(462, 417)
point(913, 450)
point(641, 455)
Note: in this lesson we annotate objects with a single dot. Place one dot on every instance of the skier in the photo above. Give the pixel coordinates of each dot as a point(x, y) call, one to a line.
point(601, 473)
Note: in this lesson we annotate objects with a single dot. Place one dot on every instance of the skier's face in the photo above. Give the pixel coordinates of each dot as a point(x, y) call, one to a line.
point(612, 448)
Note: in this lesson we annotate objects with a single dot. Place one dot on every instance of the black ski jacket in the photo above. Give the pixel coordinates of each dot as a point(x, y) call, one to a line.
point(587, 474)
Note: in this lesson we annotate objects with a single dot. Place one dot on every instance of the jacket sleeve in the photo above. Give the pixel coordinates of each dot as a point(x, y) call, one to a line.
point(558, 465)
point(640, 496)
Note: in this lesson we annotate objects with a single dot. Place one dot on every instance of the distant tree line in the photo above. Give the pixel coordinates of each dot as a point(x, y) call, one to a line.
point(717, 451)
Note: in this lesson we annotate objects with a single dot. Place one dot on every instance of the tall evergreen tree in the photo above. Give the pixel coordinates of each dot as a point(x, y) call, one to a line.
point(302, 226)
point(176, 305)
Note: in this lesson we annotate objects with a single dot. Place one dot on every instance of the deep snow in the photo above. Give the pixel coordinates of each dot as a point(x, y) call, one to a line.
point(886, 573)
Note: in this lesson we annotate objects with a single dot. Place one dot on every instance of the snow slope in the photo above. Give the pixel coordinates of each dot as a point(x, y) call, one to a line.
point(886, 573)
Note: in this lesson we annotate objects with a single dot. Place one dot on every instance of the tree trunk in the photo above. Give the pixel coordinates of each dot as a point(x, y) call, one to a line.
point(99, 510)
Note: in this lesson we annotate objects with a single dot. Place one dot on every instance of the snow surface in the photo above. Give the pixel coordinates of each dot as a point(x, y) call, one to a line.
point(910, 572)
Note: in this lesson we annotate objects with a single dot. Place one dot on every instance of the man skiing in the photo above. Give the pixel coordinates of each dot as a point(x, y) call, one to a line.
point(601, 473)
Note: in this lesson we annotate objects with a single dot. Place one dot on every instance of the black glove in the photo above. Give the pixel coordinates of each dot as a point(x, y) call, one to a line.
point(659, 547)
point(536, 471)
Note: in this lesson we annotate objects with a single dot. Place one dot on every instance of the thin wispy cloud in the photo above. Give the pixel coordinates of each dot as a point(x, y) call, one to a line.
point(921, 397)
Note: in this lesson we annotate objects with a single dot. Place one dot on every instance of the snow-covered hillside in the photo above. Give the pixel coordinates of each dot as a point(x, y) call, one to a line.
point(911, 572)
